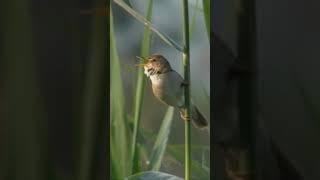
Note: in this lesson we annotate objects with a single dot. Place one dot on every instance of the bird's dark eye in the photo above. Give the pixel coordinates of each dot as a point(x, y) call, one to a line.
point(153, 60)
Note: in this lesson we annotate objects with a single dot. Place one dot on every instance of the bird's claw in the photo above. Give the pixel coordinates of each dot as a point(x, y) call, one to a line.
point(184, 83)
point(184, 116)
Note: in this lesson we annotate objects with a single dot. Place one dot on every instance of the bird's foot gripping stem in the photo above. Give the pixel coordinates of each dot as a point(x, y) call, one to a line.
point(184, 84)
point(184, 115)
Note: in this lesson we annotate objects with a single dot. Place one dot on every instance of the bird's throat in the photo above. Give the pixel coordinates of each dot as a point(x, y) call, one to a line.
point(149, 71)
point(156, 79)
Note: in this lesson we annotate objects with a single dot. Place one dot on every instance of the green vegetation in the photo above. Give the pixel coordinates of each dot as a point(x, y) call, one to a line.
point(126, 129)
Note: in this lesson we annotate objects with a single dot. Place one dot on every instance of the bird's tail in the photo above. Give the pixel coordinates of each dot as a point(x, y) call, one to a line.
point(197, 119)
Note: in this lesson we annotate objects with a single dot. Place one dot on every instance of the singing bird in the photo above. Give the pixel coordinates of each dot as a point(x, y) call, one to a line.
point(168, 87)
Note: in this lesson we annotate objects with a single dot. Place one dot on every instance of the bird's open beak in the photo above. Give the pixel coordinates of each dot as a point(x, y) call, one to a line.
point(140, 65)
point(144, 60)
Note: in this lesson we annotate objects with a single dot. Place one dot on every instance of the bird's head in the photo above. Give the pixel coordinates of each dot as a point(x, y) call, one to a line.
point(155, 64)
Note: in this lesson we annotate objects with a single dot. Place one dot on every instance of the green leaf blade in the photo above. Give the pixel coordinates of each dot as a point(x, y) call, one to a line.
point(161, 141)
point(145, 48)
point(119, 140)
point(206, 12)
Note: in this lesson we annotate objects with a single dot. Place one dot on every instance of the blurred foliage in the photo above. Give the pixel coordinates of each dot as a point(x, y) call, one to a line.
point(33, 98)
point(206, 12)
point(161, 141)
point(24, 152)
point(145, 49)
point(119, 136)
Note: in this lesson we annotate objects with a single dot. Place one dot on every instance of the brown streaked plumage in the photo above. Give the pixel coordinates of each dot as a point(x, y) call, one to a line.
point(167, 86)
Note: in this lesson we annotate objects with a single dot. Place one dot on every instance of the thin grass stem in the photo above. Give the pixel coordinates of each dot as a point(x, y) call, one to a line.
point(186, 63)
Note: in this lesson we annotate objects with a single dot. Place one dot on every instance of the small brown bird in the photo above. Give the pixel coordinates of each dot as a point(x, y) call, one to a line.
point(168, 87)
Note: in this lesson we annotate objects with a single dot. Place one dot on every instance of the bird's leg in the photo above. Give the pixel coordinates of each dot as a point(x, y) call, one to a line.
point(184, 83)
point(184, 115)
point(183, 112)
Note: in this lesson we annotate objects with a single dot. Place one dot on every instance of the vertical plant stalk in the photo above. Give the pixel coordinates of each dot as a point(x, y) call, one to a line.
point(186, 63)
point(145, 48)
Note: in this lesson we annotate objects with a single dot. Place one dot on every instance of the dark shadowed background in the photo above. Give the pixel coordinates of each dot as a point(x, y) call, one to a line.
point(288, 77)
point(53, 90)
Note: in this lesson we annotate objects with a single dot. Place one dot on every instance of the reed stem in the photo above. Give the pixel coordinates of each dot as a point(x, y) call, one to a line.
point(186, 63)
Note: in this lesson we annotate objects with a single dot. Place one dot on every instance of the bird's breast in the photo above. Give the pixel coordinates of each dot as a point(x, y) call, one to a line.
point(166, 87)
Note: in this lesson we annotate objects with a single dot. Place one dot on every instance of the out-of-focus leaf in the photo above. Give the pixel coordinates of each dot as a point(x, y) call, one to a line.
point(161, 142)
point(119, 141)
point(196, 7)
point(153, 175)
point(193, 20)
point(206, 13)
point(145, 48)
point(128, 2)
point(94, 96)
point(23, 139)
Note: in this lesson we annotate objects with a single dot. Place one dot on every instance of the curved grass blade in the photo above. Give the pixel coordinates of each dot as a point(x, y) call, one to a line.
point(119, 141)
point(148, 24)
point(145, 48)
point(206, 13)
point(196, 7)
point(161, 141)
point(128, 2)
point(193, 20)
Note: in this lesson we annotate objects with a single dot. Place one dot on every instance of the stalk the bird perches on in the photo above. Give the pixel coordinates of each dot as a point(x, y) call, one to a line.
point(168, 87)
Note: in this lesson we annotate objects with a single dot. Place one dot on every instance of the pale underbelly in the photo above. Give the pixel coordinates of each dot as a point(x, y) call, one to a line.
point(169, 97)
